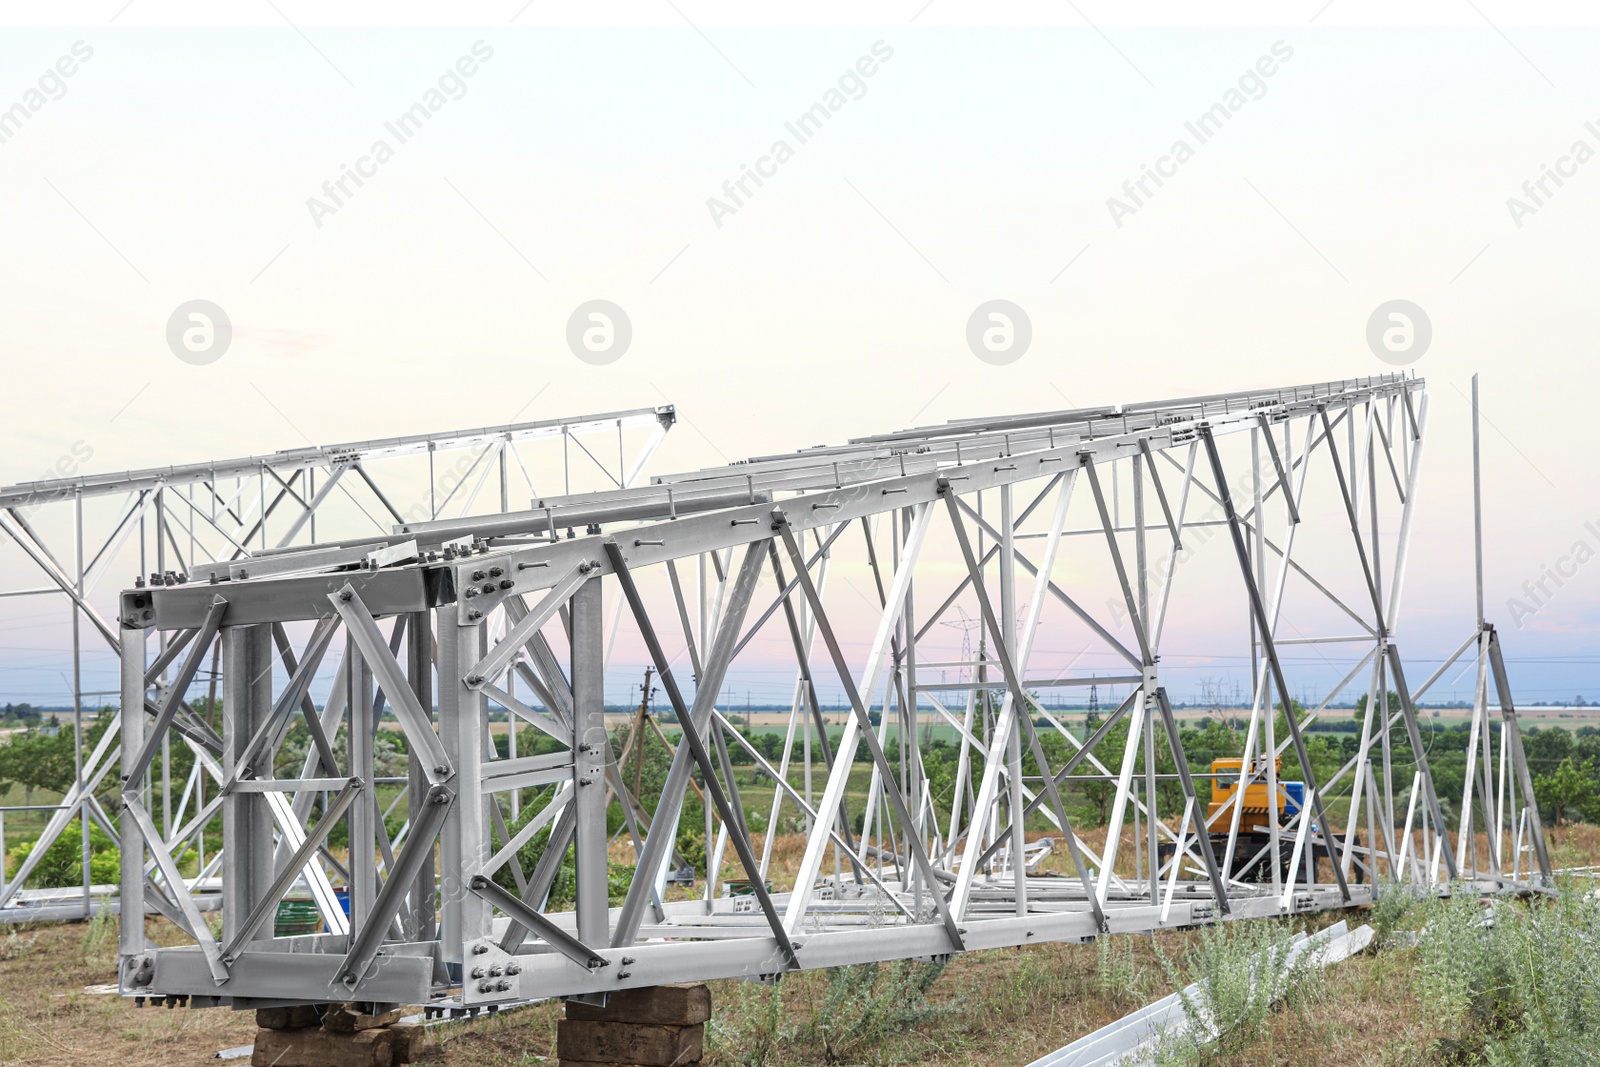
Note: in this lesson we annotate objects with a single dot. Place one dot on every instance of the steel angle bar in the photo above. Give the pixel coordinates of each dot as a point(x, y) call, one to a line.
point(858, 857)
point(133, 773)
point(95, 767)
point(1278, 468)
point(523, 915)
point(416, 722)
point(173, 649)
point(1355, 523)
point(544, 874)
point(1388, 454)
point(1202, 837)
point(1085, 752)
point(15, 525)
point(658, 844)
point(1055, 590)
point(308, 707)
point(892, 609)
point(1264, 634)
point(494, 664)
point(293, 694)
point(1017, 700)
point(291, 870)
point(525, 771)
point(364, 943)
point(1408, 510)
point(691, 731)
point(302, 560)
point(361, 470)
point(1161, 494)
point(1087, 462)
point(1278, 551)
point(175, 887)
point(529, 830)
point(1512, 734)
point(783, 600)
point(1414, 734)
point(291, 832)
point(545, 723)
point(809, 694)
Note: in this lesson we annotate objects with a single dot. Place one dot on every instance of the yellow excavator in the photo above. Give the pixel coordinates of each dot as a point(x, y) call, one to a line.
point(1259, 810)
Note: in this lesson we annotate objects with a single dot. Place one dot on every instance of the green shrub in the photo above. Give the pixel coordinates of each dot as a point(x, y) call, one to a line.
point(1519, 983)
point(62, 864)
point(1242, 970)
point(866, 1004)
point(749, 1030)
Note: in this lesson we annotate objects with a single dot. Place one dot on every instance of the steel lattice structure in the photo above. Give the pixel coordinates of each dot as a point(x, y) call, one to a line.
point(222, 518)
point(441, 645)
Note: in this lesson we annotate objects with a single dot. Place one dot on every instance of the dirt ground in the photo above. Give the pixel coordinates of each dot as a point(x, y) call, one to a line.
point(1007, 1006)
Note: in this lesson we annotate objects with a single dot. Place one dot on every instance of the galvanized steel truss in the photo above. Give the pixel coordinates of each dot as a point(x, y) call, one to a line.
point(517, 631)
point(257, 515)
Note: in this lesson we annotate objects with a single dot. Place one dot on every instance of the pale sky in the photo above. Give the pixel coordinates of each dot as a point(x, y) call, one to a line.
point(974, 163)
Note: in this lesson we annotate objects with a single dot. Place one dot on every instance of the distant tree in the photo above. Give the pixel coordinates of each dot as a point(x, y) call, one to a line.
point(1109, 751)
point(1360, 713)
point(36, 759)
point(1570, 788)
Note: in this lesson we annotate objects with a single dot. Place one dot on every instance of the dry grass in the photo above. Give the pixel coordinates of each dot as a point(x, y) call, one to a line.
point(47, 1019)
point(1010, 1006)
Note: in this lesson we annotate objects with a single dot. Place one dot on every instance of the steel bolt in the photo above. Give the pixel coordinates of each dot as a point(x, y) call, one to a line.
point(474, 615)
point(506, 583)
point(495, 572)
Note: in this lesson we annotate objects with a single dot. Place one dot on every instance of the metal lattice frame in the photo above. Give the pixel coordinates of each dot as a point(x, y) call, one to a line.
point(911, 873)
point(224, 519)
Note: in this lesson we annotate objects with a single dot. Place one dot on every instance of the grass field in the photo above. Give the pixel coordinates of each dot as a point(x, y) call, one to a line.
point(999, 1007)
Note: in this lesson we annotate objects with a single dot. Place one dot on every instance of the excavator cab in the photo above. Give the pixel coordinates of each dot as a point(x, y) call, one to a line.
point(1257, 811)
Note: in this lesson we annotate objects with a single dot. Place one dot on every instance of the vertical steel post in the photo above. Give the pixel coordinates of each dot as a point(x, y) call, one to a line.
point(419, 674)
point(590, 749)
point(464, 839)
point(246, 818)
point(132, 841)
point(363, 813)
point(77, 699)
point(1008, 637)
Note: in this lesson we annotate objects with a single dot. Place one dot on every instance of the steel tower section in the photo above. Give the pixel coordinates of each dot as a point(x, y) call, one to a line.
point(226, 518)
point(1022, 522)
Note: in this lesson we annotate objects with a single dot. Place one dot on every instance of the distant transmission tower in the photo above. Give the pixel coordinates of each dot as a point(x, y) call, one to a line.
point(966, 625)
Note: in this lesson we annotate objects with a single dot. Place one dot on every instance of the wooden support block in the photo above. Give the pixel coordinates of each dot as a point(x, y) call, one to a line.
point(684, 1004)
point(406, 1042)
point(293, 1017)
point(629, 1043)
point(347, 1019)
point(322, 1048)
